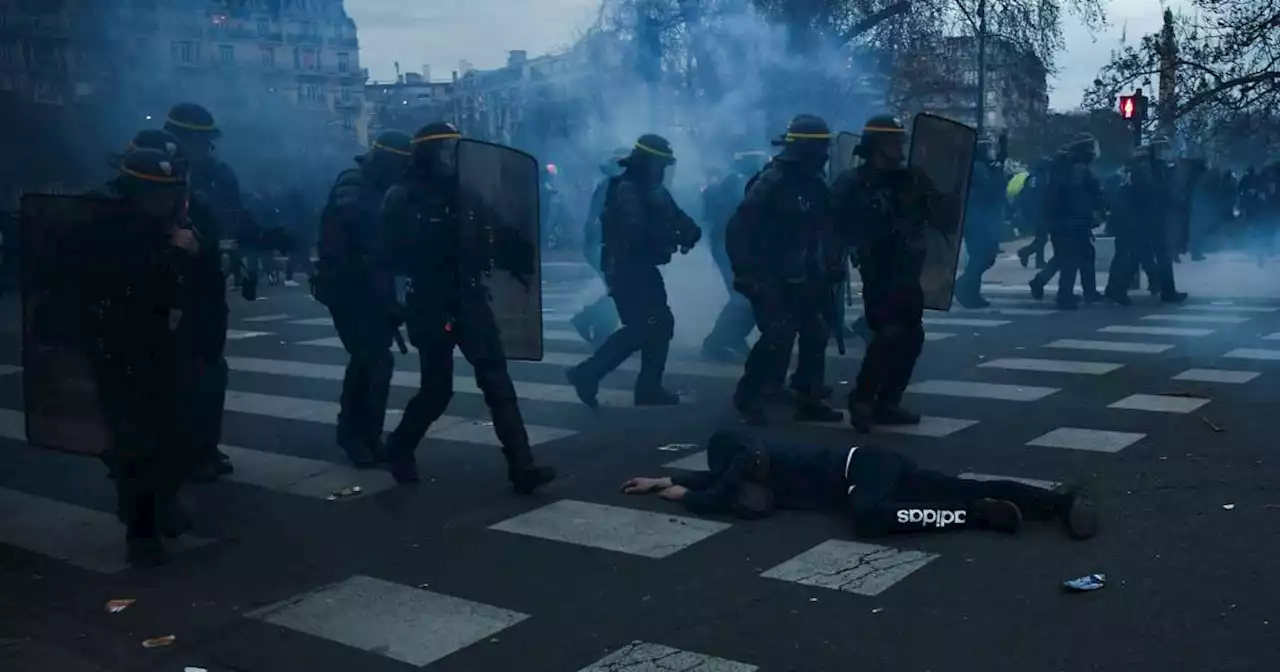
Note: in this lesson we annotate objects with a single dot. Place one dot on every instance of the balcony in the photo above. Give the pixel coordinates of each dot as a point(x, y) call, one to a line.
point(344, 42)
point(304, 38)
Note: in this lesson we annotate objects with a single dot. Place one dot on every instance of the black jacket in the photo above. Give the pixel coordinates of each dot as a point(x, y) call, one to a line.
point(349, 230)
point(782, 231)
point(642, 225)
point(883, 214)
point(801, 476)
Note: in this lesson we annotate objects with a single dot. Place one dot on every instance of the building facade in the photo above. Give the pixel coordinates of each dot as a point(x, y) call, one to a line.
point(409, 103)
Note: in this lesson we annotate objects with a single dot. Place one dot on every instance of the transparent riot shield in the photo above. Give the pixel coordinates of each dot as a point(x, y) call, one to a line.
point(842, 157)
point(942, 156)
point(60, 395)
point(501, 185)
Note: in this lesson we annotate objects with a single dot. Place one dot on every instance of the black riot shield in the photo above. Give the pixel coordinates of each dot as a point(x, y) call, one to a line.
point(842, 157)
point(942, 157)
point(60, 395)
point(502, 186)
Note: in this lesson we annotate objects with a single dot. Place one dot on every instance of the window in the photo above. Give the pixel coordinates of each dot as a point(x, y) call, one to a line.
point(185, 52)
point(268, 57)
point(264, 28)
point(226, 54)
point(348, 122)
point(971, 77)
point(313, 92)
point(344, 94)
point(310, 60)
point(344, 62)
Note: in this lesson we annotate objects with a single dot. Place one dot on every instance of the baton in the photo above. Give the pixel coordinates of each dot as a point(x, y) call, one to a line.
point(399, 339)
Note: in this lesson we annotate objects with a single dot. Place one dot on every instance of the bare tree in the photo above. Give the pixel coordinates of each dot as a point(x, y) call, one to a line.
point(1227, 62)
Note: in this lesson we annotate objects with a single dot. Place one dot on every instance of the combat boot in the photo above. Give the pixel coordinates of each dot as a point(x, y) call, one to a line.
point(358, 451)
point(895, 416)
point(401, 461)
point(586, 387)
point(524, 474)
point(861, 415)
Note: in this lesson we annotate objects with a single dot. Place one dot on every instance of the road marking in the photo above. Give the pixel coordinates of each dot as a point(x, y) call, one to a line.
point(315, 322)
point(1029, 312)
point(936, 336)
point(82, 537)
point(1052, 366)
point(1159, 403)
point(1254, 353)
point(1017, 289)
point(1046, 485)
point(1155, 331)
point(564, 394)
point(302, 476)
point(238, 335)
point(1110, 346)
point(1096, 440)
point(1205, 319)
point(1231, 308)
point(563, 359)
point(862, 569)
point(275, 317)
point(1217, 376)
point(410, 625)
point(612, 528)
point(447, 428)
point(961, 322)
point(975, 390)
point(646, 657)
point(1271, 337)
point(9, 369)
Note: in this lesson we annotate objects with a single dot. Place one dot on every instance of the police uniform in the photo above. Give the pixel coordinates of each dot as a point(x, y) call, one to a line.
point(599, 318)
point(727, 340)
point(1076, 202)
point(641, 228)
point(983, 225)
point(196, 131)
point(882, 211)
point(439, 252)
point(135, 287)
point(786, 261)
point(883, 492)
point(346, 283)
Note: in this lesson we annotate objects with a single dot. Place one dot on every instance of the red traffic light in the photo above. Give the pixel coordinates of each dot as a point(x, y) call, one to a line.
point(1128, 107)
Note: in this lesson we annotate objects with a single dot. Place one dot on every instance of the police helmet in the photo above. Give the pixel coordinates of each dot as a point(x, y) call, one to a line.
point(430, 139)
point(191, 119)
point(1083, 145)
point(393, 142)
point(147, 169)
point(880, 128)
point(650, 148)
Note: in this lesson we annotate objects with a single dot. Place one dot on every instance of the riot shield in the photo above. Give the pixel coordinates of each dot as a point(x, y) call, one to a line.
point(502, 186)
point(842, 157)
point(60, 394)
point(942, 157)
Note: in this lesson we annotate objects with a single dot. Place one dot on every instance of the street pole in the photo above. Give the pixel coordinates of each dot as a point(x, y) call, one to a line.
point(982, 66)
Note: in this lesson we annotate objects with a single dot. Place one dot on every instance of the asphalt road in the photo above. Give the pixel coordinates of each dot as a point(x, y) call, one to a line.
point(1166, 411)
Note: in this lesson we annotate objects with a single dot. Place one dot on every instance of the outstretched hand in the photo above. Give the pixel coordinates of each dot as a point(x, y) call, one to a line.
point(644, 486)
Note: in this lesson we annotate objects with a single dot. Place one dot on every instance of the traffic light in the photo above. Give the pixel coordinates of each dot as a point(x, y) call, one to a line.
point(1129, 107)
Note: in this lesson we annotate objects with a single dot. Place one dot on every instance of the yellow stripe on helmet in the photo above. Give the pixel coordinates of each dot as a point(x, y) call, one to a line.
point(162, 179)
point(393, 150)
point(192, 127)
point(882, 129)
point(437, 136)
point(657, 152)
point(808, 136)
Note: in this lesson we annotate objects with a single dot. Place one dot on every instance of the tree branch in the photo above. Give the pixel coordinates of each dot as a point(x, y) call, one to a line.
point(1205, 96)
point(860, 28)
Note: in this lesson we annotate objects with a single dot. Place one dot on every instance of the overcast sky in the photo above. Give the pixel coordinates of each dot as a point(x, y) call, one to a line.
point(440, 33)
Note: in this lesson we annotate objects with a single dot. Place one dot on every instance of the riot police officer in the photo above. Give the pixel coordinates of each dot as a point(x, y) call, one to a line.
point(728, 338)
point(134, 284)
point(440, 250)
point(786, 261)
point(1076, 198)
point(982, 226)
point(599, 318)
point(641, 228)
point(882, 210)
point(345, 282)
point(197, 133)
point(1149, 196)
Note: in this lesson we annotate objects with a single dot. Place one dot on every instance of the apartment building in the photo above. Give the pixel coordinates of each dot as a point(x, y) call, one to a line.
point(409, 103)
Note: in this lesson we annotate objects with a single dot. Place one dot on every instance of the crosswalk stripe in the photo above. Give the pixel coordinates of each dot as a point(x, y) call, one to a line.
point(1035, 483)
point(463, 384)
point(567, 359)
point(80, 536)
point(238, 335)
point(961, 322)
point(301, 476)
point(447, 428)
point(275, 317)
point(314, 322)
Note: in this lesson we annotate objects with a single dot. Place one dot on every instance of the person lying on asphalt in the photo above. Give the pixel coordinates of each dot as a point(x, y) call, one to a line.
point(884, 492)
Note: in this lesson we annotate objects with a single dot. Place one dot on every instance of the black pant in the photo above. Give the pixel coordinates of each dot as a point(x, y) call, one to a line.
point(735, 321)
point(785, 313)
point(640, 295)
point(366, 334)
point(1073, 250)
point(600, 314)
point(889, 493)
point(898, 338)
point(1037, 245)
point(209, 398)
point(983, 250)
point(1135, 250)
point(469, 324)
